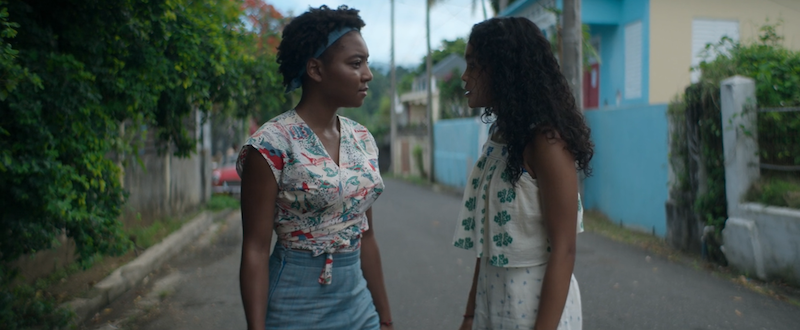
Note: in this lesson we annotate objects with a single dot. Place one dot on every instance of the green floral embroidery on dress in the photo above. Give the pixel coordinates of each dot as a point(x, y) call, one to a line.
point(475, 183)
point(506, 195)
point(468, 223)
point(470, 204)
point(491, 173)
point(505, 176)
point(499, 261)
point(502, 218)
point(464, 243)
point(502, 239)
point(481, 163)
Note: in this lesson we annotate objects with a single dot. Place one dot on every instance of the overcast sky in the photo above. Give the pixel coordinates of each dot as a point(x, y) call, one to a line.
point(449, 20)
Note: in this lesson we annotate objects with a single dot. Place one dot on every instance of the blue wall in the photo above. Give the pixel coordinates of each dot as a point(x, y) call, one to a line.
point(612, 47)
point(457, 144)
point(630, 167)
point(601, 11)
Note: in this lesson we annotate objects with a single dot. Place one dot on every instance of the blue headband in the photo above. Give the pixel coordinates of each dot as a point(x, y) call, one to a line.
point(332, 37)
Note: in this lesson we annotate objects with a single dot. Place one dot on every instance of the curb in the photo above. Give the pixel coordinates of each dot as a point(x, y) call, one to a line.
point(131, 274)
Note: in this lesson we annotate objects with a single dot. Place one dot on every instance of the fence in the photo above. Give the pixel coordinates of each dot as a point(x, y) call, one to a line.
point(778, 139)
point(458, 143)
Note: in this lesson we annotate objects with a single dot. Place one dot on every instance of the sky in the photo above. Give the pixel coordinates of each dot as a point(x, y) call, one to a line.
point(449, 19)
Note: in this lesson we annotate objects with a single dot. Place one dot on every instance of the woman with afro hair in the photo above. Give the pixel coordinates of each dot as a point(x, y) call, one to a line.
point(312, 176)
point(521, 209)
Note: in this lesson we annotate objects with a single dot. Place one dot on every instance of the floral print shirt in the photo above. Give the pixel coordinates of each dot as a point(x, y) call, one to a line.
point(320, 205)
point(500, 221)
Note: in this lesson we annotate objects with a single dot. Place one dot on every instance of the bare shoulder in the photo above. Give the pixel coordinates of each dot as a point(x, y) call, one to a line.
point(546, 146)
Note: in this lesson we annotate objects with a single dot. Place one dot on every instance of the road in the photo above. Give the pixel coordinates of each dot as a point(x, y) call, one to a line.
point(622, 287)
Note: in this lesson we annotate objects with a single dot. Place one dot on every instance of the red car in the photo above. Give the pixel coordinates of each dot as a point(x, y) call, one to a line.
point(225, 180)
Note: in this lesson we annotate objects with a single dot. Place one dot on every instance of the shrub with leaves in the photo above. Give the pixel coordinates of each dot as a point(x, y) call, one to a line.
point(76, 75)
point(776, 71)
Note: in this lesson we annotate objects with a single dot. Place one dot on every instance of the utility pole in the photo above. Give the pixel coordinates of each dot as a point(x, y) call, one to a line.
point(572, 65)
point(392, 109)
point(429, 84)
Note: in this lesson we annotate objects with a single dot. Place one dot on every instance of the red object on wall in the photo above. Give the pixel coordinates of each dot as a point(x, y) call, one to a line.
point(591, 87)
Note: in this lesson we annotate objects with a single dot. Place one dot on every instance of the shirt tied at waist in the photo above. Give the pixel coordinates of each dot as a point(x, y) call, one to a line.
point(329, 240)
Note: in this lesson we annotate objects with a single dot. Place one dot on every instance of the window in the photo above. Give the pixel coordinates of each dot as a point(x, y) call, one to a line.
point(633, 60)
point(705, 31)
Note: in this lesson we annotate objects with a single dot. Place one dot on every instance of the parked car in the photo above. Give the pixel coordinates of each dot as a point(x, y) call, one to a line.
point(225, 180)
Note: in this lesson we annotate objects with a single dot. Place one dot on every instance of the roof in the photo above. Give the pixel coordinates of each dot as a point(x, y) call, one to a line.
point(446, 66)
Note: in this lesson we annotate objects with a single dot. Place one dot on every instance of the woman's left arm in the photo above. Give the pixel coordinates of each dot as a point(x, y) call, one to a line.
point(557, 178)
point(373, 273)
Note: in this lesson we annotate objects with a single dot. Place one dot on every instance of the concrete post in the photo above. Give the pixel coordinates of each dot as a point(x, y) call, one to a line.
point(739, 139)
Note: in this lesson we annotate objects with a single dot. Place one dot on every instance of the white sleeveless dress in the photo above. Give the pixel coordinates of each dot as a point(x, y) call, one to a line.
point(504, 226)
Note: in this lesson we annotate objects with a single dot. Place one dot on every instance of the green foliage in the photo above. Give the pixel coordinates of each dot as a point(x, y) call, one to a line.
point(779, 189)
point(406, 77)
point(26, 306)
point(374, 113)
point(417, 153)
point(679, 151)
point(447, 47)
point(221, 202)
point(452, 102)
point(776, 71)
point(81, 81)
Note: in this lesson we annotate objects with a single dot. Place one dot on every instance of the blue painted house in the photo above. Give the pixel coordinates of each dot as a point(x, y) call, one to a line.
point(646, 50)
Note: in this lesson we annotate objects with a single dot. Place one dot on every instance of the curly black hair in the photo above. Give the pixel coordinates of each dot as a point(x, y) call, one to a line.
point(308, 32)
point(530, 93)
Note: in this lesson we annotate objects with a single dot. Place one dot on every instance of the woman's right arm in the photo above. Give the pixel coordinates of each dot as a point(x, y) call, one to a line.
point(259, 192)
point(469, 314)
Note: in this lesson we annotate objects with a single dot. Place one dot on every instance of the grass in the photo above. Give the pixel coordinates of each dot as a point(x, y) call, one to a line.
point(776, 189)
point(76, 279)
point(598, 223)
point(147, 236)
point(222, 202)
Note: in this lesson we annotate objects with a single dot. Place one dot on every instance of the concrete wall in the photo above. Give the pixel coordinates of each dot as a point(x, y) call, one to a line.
point(764, 242)
point(457, 147)
point(759, 240)
point(630, 180)
point(167, 186)
point(671, 34)
point(411, 138)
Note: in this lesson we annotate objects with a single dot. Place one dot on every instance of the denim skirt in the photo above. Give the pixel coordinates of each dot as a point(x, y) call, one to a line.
point(298, 301)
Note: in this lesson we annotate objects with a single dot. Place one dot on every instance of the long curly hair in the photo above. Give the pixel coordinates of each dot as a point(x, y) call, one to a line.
point(308, 32)
point(530, 94)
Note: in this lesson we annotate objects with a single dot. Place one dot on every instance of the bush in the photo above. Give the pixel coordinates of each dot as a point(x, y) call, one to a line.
point(221, 202)
point(79, 79)
point(697, 127)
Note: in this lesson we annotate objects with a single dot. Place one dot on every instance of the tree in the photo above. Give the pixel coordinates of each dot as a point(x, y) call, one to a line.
point(81, 81)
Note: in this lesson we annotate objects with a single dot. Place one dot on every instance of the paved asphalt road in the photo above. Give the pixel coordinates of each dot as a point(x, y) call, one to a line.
point(428, 280)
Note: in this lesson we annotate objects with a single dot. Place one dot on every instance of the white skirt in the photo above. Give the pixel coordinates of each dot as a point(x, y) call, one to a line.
point(508, 298)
